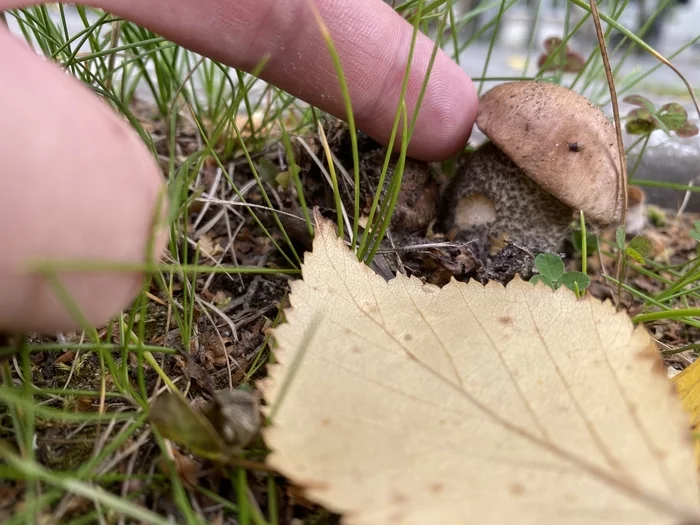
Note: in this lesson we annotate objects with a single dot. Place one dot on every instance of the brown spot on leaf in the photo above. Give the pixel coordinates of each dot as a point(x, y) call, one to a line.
point(516, 489)
point(397, 497)
point(506, 320)
point(407, 337)
point(436, 488)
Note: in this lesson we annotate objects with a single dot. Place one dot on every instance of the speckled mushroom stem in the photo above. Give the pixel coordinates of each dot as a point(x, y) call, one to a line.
point(492, 203)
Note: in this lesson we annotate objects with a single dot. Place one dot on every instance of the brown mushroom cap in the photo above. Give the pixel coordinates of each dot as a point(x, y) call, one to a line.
point(560, 140)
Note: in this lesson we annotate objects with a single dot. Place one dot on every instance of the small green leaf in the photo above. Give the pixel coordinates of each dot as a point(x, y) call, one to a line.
point(550, 266)
point(641, 245)
point(284, 178)
point(695, 234)
point(620, 237)
point(638, 248)
point(539, 278)
point(267, 169)
point(657, 217)
point(634, 254)
point(639, 100)
point(576, 240)
point(640, 126)
point(660, 124)
point(641, 114)
point(573, 279)
point(591, 242)
point(673, 115)
point(180, 181)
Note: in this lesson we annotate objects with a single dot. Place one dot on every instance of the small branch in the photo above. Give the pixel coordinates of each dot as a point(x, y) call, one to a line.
point(616, 108)
point(618, 129)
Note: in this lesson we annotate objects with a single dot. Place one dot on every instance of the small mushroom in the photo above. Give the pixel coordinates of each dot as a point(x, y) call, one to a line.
point(636, 210)
point(417, 203)
point(551, 152)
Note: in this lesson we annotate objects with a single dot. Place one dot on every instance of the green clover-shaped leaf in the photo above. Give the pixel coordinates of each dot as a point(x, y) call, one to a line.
point(541, 278)
point(620, 237)
point(575, 281)
point(639, 248)
point(673, 115)
point(550, 266)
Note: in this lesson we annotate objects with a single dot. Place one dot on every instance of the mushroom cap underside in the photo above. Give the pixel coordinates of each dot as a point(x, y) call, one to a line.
point(560, 140)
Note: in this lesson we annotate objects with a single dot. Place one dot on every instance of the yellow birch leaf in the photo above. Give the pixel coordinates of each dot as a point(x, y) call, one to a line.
point(402, 403)
point(688, 386)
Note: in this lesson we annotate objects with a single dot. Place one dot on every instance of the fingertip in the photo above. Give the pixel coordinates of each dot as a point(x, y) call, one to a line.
point(449, 103)
point(447, 115)
point(79, 185)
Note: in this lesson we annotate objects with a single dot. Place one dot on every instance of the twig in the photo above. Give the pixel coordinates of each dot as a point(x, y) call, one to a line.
point(618, 131)
point(686, 199)
point(423, 246)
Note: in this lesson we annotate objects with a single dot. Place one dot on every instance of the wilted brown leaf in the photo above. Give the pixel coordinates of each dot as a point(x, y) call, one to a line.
point(218, 431)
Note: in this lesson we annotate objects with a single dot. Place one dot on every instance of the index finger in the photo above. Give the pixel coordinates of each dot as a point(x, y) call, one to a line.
point(373, 44)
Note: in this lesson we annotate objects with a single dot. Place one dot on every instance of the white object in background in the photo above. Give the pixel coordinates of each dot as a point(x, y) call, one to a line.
point(514, 29)
point(636, 211)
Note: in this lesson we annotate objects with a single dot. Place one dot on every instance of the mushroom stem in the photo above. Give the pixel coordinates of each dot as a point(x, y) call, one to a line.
point(493, 203)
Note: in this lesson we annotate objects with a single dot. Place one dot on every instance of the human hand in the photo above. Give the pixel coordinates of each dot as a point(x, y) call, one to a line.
point(77, 183)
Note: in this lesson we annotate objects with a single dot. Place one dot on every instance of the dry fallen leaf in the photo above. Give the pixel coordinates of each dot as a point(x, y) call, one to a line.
point(209, 246)
point(399, 403)
point(688, 386)
point(221, 429)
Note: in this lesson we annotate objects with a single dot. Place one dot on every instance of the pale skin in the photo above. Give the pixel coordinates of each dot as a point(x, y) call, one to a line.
point(76, 183)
